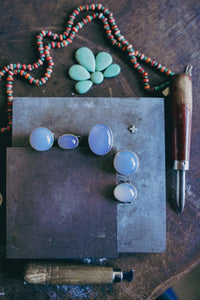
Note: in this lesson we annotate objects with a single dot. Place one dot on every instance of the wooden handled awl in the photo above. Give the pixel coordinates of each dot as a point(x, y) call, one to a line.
point(63, 273)
point(181, 94)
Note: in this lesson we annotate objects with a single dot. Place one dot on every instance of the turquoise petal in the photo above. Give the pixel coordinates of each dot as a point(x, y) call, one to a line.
point(86, 58)
point(97, 77)
point(78, 73)
point(83, 86)
point(103, 60)
point(112, 71)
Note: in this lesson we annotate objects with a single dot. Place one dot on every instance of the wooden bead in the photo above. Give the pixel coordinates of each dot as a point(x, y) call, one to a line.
point(76, 12)
point(142, 56)
point(159, 66)
point(93, 6)
point(133, 60)
point(141, 70)
point(136, 65)
point(145, 74)
point(89, 18)
point(168, 72)
point(27, 75)
point(162, 69)
point(148, 59)
point(47, 75)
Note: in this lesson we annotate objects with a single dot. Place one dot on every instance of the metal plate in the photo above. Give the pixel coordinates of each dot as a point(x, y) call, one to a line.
point(60, 204)
point(141, 225)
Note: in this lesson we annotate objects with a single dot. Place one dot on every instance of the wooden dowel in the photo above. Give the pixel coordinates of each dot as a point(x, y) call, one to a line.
point(62, 273)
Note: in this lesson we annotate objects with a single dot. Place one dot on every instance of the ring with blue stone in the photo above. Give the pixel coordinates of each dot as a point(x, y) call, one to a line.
point(100, 139)
point(68, 141)
point(126, 162)
point(41, 139)
point(125, 192)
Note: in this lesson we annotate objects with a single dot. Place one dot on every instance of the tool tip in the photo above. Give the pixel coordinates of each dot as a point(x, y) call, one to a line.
point(180, 196)
point(188, 69)
point(128, 275)
point(181, 207)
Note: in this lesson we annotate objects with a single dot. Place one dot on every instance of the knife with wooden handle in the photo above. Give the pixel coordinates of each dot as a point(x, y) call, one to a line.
point(181, 94)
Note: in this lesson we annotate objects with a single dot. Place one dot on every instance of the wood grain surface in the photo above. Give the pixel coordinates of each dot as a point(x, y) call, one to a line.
point(181, 90)
point(165, 30)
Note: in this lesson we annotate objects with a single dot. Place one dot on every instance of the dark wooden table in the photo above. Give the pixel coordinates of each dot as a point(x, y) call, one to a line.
point(167, 31)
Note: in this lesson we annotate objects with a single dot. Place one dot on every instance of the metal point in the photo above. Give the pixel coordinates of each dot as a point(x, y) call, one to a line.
point(180, 190)
point(188, 69)
point(119, 276)
point(128, 275)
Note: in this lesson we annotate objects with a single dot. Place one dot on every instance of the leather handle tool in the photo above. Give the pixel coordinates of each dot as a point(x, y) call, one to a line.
point(181, 94)
point(63, 273)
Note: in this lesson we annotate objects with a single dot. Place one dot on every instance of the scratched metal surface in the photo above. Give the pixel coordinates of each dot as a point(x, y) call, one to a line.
point(60, 204)
point(141, 224)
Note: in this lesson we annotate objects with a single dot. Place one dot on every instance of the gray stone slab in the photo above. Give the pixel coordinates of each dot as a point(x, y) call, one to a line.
point(141, 224)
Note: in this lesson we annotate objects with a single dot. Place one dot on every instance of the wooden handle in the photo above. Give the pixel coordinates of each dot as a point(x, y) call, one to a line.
point(181, 93)
point(63, 273)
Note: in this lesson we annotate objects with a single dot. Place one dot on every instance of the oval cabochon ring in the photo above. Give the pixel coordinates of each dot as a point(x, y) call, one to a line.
point(68, 141)
point(100, 139)
point(125, 192)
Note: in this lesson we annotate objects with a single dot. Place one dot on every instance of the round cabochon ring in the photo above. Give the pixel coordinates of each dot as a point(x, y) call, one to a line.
point(41, 139)
point(126, 162)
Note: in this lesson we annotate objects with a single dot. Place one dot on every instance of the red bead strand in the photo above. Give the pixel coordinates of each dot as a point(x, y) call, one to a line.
point(63, 40)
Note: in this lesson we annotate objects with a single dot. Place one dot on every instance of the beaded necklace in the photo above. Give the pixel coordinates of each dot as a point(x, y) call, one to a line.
point(63, 40)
